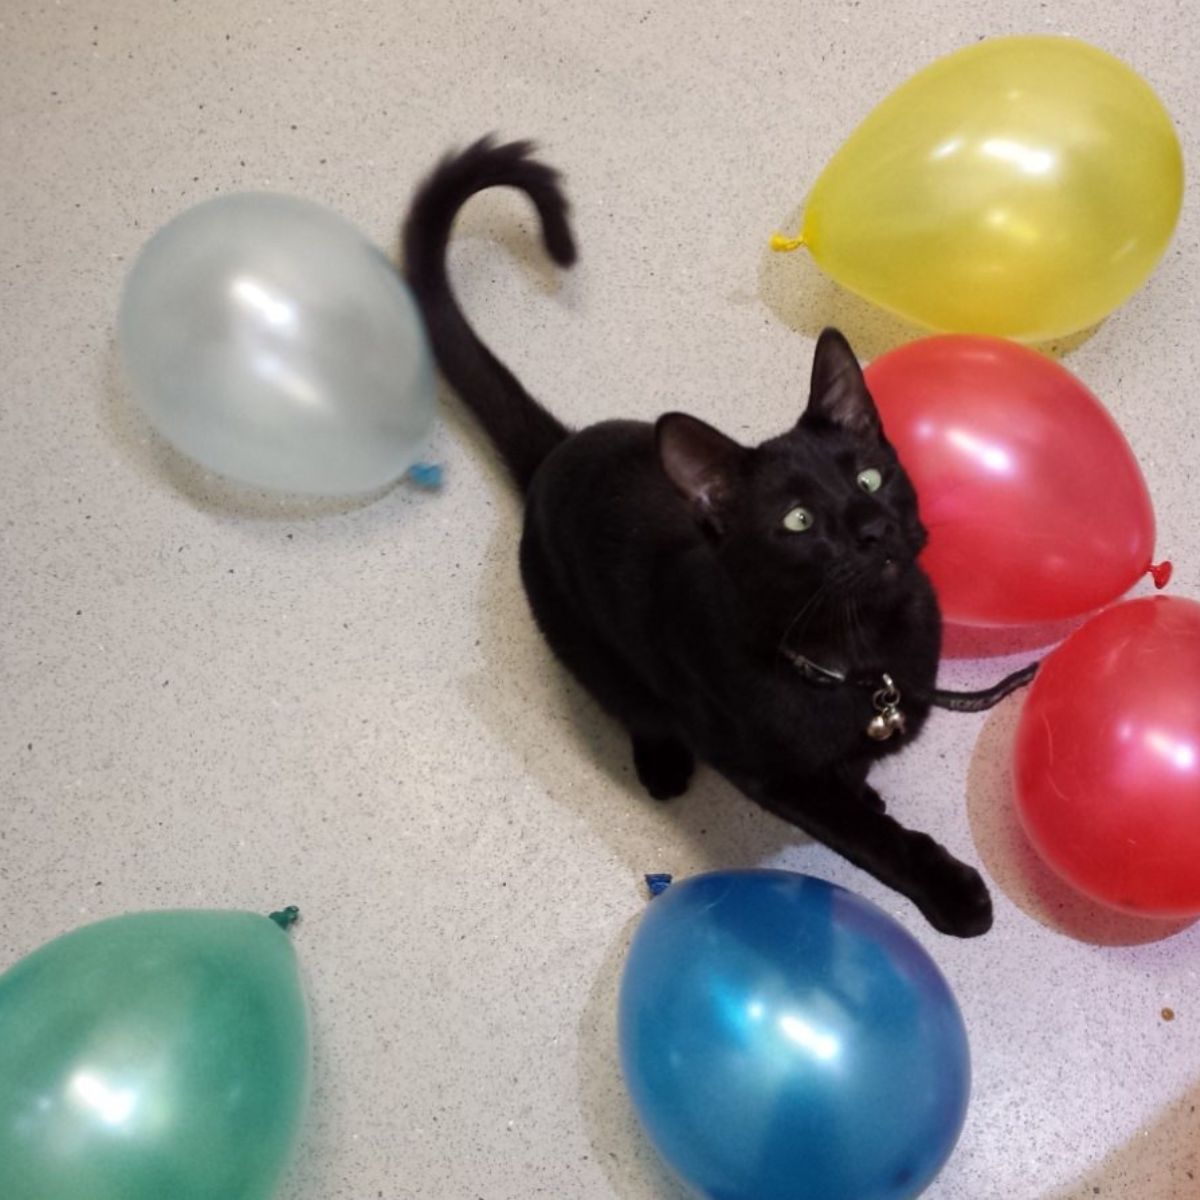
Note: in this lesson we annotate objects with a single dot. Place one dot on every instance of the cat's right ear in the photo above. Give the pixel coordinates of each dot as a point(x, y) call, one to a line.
point(701, 462)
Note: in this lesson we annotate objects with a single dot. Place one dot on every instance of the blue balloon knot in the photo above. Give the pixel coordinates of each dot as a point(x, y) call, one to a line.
point(426, 475)
point(658, 884)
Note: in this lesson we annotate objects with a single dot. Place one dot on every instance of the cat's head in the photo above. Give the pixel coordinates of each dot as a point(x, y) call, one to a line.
point(825, 507)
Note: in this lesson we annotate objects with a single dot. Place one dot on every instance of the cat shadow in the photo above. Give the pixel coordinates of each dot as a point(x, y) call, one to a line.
point(630, 1163)
point(580, 754)
point(583, 759)
point(1161, 1162)
point(805, 299)
point(1015, 868)
point(159, 463)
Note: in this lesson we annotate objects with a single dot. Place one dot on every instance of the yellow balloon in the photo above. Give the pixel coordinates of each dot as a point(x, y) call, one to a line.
point(1024, 186)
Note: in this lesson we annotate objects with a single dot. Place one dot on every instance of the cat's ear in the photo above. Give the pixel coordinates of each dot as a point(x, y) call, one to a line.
point(838, 394)
point(701, 462)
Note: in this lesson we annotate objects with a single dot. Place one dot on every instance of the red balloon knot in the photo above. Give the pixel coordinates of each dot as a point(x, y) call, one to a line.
point(1161, 573)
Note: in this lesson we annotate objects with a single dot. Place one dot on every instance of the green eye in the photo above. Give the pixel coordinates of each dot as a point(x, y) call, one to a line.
point(870, 480)
point(799, 520)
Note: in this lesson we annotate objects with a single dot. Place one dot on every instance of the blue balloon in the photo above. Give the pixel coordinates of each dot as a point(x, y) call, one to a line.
point(784, 1039)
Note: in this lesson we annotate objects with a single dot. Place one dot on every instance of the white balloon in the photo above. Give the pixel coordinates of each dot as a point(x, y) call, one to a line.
point(265, 337)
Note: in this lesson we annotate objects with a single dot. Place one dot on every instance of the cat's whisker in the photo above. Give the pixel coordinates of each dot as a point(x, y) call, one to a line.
point(855, 637)
point(809, 608)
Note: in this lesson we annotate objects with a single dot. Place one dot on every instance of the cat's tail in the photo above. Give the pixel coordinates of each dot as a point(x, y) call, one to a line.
point(522, 430)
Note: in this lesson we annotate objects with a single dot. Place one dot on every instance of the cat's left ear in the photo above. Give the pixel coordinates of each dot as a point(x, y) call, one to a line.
point(838, 394)
point(701, 462)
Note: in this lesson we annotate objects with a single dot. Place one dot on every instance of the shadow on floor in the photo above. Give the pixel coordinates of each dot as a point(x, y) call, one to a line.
point(805, 299)
point(564, 738)
point(631, 1165)
point(966, 641)
point(1160, 1162)
point(1015, 868)
point(160, 463)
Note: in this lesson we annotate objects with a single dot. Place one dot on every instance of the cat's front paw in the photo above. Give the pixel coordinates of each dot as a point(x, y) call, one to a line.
point(664, 766)
point(954, 898)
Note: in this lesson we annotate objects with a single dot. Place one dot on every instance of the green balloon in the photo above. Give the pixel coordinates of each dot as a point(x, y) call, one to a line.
point(156, 1056)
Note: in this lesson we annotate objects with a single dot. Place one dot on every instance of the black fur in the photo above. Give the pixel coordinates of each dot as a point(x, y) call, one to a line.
point(659, 568)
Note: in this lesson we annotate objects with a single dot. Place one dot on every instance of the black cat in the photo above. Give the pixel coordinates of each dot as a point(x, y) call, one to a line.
point(736, 604)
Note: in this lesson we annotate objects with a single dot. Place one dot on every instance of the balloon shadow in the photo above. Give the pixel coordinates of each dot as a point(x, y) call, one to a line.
point(630, 1163)
point(160, 463)
point(805, 299)
point(1061, 347)
point(309, 1171)
point(1162, 1162)
point(1014, 865)
point(969, 641)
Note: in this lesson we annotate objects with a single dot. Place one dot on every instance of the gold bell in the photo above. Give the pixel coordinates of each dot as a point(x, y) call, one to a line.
point(888, 718)
point(880, 728)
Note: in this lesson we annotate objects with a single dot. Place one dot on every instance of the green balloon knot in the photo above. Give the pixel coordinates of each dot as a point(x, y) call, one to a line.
point(286, 917)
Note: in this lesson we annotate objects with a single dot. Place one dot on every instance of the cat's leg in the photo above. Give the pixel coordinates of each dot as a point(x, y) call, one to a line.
point(853, 773)
point(872, 799)
point(664, 765)
point(951, 895)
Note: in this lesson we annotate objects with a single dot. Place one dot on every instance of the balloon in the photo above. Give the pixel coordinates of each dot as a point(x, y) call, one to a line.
point(1023, 186)
point(1035, 505)
point(150, 1056)
point(783, 1038)
point(1107, 766)
point(266, 338)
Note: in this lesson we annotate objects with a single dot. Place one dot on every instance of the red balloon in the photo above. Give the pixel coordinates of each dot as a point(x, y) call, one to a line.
point(1108, 758)
point(1035, 505)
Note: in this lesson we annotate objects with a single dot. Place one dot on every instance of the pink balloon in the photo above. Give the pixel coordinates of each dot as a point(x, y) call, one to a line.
point(1107, 758)
point(1036, 508)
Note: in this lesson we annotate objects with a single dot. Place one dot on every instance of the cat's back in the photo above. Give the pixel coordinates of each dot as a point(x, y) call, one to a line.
point(605, 482)
point(601, 516)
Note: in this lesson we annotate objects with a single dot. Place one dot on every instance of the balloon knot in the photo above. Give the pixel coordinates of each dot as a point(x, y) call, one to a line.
point(1161, 573)
point(784, 244)
point(658, 884)
point(426, 475)
point(286, 916)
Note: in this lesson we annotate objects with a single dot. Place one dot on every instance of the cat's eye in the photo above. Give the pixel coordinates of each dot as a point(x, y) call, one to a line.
point(870, 480)
point(799, 520)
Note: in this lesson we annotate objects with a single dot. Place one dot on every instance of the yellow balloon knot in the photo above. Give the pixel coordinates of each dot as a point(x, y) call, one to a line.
point(779, 242)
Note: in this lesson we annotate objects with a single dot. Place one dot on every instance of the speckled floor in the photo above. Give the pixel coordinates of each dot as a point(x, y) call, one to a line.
point(211, 698)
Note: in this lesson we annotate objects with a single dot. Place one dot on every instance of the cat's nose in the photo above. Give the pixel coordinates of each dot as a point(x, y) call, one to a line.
point(874, 531)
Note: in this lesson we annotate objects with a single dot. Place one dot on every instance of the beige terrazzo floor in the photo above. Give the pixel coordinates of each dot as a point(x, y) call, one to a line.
point(216, 699)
